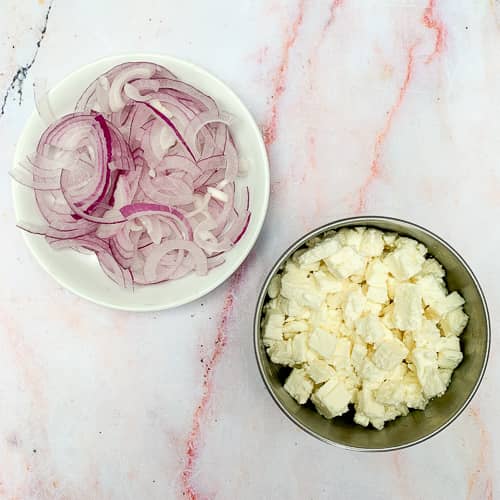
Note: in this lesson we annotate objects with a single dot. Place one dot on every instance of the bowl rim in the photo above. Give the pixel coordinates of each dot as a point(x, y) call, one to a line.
point(360, 221)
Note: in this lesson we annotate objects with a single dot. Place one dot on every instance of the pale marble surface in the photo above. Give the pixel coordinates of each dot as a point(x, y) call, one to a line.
point(368, 106)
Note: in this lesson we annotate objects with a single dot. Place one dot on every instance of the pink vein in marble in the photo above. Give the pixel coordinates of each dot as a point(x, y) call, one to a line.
point(382, 136)
point(192, 445)
point(331, 17)
point(475, 485)
point(270, 128)
point(432, 21)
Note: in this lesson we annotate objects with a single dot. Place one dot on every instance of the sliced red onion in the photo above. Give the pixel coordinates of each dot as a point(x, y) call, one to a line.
point(142, 175)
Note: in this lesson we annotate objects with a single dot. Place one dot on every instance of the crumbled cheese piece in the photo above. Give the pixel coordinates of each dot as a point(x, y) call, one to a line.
point(323, 343)
point(345, 263)
point(332, 398)
point(407, 307)
point(354, 305)
point(364, 318)
point(389, 354)
point(404, 262)
point(299, 385)
point(320, 371)
point(273, 328)
point(372, 243)
point(326, 248)
point(454, 322)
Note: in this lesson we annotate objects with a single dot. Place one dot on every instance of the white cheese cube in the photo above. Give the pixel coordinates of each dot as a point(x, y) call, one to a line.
point(371, 329)
point(448, 344)
point(427, 335)
point(332, 398)
point(323, 343)
point(361, 419)
point(350, 237)
point(373, 308)
point(298, 286)
point(327, 282)
point(404, 262)
point(390, 393)
point(372, 243)
point(300, 349)
point(295, 326)
point(407, 307)
point(358, 355)
point(299, 385)
point(345, 263)
point(432, 290)
point(376, 273)
point(281, 353)
point(273, 328)
point(320, 371)
point(354, 306)
point(274, 286)
point(377, 294)
point(449, 359)
point(425, 361)
point(454, 322)
point(371, 375)
point(389, 354)
point(432, 267)
point(368, 406)
point(451, 302)
point(445, 375)
point(342, 357)
point(319, 252)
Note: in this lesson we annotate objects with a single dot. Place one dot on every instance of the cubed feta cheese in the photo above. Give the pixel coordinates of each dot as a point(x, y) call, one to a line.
point(449, 359)
point(432, 267)
point(332, 398)
point(377, 294)
point(376, 273)
point(371, 375)
point(273, 328)
point(327, 282)
point(432, 290)
point(299, 385)
point(300, 349)
point(320, 371)
point(372, 243)
point(407, 307)
point(404, 262)
point(326, 248)
point(323, 343)
point(274, 286)
point(281, 352)
point(358, 355)
point(296, 326)
point(427, 335)
point(345, 263)
point(413, 394)
point(342, 357)
point(389, 354)
point(451, 302)
point(454, 322)
point(426, 365)
point(371, 329)
point(354, 306)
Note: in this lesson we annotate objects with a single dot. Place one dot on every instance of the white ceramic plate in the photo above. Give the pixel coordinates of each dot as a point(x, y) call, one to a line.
point(81, 273)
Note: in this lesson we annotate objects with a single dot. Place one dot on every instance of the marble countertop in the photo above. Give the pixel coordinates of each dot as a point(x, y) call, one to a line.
point(367, 107)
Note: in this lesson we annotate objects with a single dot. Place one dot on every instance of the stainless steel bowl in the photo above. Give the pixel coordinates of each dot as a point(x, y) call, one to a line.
point(440, 412)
